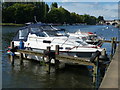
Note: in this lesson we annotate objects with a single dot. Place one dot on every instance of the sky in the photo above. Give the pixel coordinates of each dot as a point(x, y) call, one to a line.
point(109, 10)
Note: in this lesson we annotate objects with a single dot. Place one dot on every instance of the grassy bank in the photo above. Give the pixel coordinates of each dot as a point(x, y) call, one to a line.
point(11, 24)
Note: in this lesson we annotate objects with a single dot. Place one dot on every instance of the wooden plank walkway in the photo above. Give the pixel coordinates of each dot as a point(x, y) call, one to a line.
point(81, 61)
point(110, 79)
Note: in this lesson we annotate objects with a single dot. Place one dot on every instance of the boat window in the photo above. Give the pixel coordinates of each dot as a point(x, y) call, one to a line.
point(81, 42)
point(56, 33)
point(46, 27)
point(84, 38)
point(51, 33)
point(61, 33)
point(23, 33)
point(35, 30)
point(41, 34)
point(92, 37)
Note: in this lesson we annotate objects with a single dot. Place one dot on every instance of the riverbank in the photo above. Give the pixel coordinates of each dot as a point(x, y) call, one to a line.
point(11, 24)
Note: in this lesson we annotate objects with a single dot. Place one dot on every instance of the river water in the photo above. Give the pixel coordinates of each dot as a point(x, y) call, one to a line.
point(32, 75)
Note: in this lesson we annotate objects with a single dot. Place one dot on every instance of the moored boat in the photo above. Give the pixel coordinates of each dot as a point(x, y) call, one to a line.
point(39, 36)
point(89, 37)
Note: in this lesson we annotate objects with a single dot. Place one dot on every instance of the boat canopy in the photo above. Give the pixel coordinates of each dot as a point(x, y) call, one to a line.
point(41, 30)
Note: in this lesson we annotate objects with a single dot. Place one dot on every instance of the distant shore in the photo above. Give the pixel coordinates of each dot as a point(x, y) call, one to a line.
point(11, 24)
point(55, 24)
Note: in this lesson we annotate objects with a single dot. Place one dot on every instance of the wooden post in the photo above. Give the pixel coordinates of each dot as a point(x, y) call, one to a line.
point(115, 43)
point(57, 50)
point(95, 73)
point(112, 44)
point(49, 60)
point(12, 56)
point(56, 61)
point(21, 58)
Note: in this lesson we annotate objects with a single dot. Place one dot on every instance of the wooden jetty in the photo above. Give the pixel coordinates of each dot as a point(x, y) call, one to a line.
point(95, 62)
point(110, 79)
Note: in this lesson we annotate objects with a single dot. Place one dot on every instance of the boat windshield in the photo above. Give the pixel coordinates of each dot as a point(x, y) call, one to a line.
point(92, 37)
point(46, 27)
point(36, 29)
point(82, 42)
point(53, 33)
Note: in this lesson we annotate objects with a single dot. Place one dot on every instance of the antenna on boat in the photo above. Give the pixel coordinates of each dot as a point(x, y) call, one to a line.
point(35, 19)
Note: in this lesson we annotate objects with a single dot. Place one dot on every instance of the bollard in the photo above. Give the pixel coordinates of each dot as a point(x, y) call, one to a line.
point(12, 56)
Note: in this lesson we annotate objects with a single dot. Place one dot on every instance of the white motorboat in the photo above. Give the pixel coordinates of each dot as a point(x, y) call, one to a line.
point(89, 37)
point(39, 36)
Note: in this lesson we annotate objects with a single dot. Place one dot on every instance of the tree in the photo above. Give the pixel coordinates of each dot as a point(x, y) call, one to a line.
point(40, 11)
point(54, 5)
point(91, 20)
point(65, 15)
point(100, 18)
point(58, 15)
point(8, 15)
point(76, 18)
point(7, 4)
point(54, 16)
point(23, 12)
point(46, 12)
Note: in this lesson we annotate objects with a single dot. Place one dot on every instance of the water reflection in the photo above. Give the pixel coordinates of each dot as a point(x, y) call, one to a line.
point(68, 77)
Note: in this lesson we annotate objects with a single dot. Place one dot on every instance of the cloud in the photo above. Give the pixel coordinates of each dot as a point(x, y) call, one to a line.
point(108, 10)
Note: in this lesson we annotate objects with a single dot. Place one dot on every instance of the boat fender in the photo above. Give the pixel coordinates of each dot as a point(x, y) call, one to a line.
point(103, 58)
point(94, 55)
point(21, 45)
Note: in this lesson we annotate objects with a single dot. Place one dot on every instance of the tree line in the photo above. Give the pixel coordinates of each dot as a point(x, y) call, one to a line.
point(23, 12)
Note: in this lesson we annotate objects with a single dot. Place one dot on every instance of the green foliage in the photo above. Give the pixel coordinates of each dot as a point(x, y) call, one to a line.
point(58, 15)
point(100, 18)
point(54, 5)
point(24, 12)
point(7, 4)
point(54, 16)
point(76, 18)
